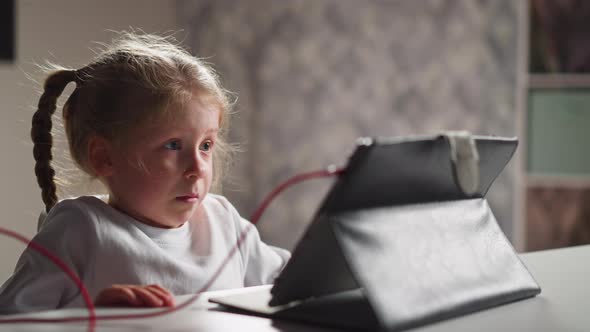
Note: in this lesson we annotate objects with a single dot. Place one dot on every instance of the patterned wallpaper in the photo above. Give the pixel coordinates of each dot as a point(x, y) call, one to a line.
point(312, 75)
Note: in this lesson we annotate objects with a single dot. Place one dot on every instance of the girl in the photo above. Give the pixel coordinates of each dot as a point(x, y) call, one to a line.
point(148, 120)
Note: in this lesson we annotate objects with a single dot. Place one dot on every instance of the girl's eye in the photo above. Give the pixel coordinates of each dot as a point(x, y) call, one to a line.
point(206, 146)
point(173, 145)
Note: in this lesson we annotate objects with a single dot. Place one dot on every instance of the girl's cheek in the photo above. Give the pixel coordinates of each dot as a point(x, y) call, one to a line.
point(162, 165)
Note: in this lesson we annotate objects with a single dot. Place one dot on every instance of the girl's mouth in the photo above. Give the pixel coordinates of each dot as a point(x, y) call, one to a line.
point(188, 198)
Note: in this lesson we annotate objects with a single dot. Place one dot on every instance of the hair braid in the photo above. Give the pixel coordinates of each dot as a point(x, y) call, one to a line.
point(41, 134)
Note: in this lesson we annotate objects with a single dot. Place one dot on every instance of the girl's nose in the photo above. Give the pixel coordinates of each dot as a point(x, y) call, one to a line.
point(195, 166)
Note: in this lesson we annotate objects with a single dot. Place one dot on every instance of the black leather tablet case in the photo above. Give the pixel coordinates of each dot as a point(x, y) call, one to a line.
point(400, 239)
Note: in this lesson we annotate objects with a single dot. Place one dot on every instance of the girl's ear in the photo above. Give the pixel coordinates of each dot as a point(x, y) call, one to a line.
point(100, 156)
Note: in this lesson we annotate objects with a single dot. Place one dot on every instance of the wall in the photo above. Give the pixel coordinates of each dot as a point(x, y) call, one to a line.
point(61, 31)
point(312, 76)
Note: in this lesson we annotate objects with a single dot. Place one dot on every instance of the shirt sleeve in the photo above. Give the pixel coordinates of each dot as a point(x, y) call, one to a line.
point(37, 284)
point(262, 262)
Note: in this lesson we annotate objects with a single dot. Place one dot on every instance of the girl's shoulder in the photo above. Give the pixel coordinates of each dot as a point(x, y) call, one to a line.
point(89, 202)
point(79, 212)
point(71, 223)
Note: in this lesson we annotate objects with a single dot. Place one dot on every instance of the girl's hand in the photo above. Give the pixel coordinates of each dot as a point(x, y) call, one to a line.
point(135, 296)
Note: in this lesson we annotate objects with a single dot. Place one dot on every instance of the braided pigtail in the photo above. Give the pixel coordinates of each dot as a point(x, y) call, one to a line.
point(41, 134)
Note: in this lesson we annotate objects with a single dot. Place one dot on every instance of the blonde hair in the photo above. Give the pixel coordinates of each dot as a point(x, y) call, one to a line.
point(132, 82)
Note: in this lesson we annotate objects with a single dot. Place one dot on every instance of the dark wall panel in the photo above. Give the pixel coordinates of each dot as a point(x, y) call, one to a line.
point(7, 30)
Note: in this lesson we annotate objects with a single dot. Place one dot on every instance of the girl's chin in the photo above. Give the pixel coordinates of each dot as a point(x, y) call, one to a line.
point(171, 220)
point(180, 218)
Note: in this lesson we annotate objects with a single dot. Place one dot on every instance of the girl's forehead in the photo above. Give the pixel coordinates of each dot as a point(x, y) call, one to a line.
point(196, 116)
point(196, 109)
point(188, 105)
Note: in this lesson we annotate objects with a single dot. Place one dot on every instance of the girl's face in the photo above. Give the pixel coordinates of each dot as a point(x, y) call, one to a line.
point(161, 175)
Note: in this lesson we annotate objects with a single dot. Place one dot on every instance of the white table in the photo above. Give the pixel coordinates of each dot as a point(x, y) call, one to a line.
point(563, 305)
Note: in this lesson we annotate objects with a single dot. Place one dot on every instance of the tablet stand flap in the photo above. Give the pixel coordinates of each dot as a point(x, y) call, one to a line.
point(438, 256)
point(426, 262)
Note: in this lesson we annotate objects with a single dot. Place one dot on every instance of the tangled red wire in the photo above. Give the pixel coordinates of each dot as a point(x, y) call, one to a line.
point(92, 317)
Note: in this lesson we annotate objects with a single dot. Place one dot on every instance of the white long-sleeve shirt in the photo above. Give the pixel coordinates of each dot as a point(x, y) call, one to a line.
point(105, 246)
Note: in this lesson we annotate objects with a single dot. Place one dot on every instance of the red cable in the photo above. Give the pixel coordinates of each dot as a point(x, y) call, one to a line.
point(330, 171)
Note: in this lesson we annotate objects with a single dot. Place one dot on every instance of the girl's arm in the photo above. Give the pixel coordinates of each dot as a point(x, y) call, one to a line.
point(69, 232)
point(263, 262)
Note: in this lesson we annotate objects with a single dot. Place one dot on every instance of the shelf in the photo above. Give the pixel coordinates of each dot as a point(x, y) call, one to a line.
point(557, 80)
point(558, 181)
